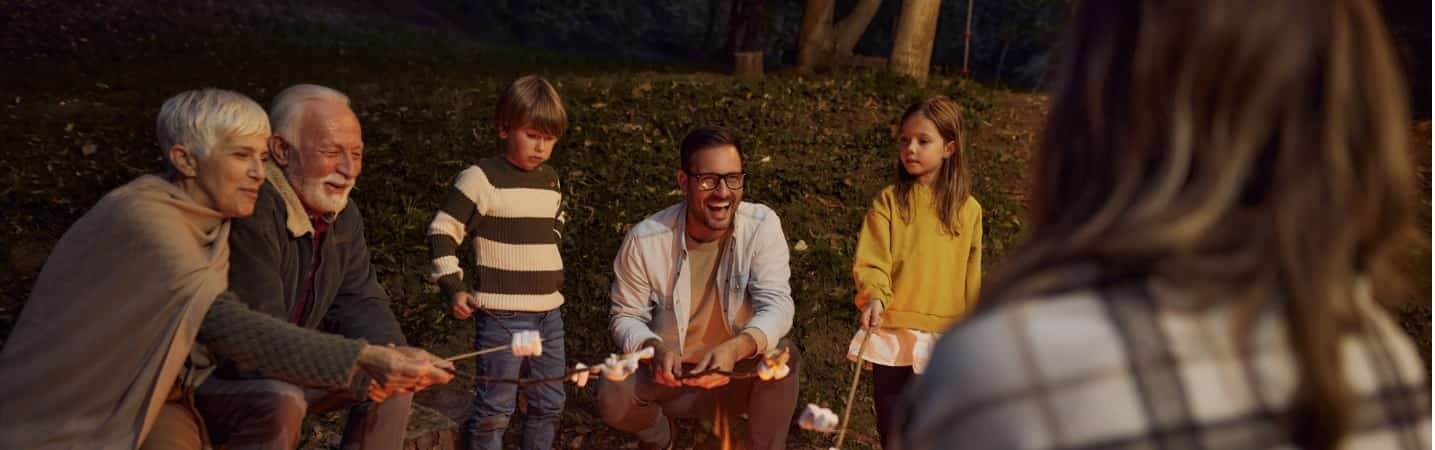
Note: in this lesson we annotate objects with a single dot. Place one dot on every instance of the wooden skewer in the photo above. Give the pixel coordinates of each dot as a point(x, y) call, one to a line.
point(852, 392)
point(477, 353)
point(484, 351)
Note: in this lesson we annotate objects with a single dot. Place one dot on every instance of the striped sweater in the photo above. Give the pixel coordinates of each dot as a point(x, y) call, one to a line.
point(516, 222)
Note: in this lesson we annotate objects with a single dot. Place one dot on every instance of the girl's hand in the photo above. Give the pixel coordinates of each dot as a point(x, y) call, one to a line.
point(872, 315)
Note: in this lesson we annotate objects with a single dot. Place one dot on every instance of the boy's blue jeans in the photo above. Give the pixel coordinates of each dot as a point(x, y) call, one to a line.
point(493, 403)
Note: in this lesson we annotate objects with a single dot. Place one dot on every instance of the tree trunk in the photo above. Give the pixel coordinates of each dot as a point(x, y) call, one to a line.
point(712, 21)
point(814, 42)
point(847, 32)
point(747, 64)
point(755, 16)
point(736, 23)
point(967, 40)
point(746, 37)
point(1001, 60)
point(821, 41)
point(912, 49)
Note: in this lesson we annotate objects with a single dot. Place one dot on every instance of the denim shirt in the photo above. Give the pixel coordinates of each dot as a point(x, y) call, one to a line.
point(652, 291)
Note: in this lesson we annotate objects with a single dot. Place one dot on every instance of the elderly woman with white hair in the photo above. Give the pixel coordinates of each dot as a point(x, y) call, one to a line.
point(103, 355)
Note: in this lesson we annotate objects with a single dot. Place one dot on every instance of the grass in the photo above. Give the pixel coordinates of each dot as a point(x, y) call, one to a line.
point(819, 148)
point(818, 151)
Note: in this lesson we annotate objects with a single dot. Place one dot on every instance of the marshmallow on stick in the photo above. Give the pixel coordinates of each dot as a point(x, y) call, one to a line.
point(817, 418)
point(774, 365)
point(581, 376)
point(526, 343)
point(618, 368)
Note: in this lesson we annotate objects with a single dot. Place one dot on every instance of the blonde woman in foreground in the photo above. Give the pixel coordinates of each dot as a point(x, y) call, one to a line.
point(1219, 194)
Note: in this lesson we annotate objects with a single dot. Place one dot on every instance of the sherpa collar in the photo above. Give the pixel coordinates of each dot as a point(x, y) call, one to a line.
point(298, 222)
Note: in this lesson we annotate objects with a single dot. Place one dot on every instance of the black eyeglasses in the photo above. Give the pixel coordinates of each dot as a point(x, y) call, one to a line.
point(709, 181)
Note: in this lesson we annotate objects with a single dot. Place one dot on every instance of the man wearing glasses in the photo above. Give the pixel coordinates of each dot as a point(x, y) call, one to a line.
point(704, 283)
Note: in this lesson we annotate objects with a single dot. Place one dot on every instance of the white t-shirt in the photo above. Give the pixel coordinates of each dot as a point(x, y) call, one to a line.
point(895, 347)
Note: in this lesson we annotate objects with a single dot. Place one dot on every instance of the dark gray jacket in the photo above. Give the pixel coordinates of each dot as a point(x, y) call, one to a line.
point(272, 254)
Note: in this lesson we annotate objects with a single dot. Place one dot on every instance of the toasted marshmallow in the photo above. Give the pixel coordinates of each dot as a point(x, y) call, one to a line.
point(817, 418)
point(581, 377)
point(526, 343)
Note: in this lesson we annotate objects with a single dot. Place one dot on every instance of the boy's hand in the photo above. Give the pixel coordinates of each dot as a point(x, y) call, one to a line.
point(872, 315)
point(463, 305)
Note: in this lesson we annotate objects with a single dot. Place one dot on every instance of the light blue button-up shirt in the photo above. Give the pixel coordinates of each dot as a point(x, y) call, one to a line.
point(651, 288)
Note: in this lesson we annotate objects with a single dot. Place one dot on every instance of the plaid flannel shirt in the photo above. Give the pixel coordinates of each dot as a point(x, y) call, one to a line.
point(1136, 367)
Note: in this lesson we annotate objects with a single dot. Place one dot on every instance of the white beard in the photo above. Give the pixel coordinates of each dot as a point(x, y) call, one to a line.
point(312, 193)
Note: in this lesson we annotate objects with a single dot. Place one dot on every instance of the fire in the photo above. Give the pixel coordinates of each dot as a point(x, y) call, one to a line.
point(722, 428)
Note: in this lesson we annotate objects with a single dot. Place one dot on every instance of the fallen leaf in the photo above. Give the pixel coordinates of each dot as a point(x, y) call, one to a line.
point(801, 246)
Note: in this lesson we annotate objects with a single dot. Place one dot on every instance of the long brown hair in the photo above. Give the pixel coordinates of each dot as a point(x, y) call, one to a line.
point(1254, 148)
point(953, 183)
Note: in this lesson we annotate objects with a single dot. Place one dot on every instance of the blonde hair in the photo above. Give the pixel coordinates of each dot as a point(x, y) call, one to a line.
point(953, 182)
point(202, 118)
point(1255, 148)
point(531, 101)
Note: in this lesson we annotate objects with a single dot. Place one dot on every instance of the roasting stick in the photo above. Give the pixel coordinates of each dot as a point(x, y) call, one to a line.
point(852, 392)
point(523, 348)
point(477, 353)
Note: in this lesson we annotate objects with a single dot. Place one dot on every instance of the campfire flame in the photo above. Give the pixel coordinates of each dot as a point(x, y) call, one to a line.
point(722, 428)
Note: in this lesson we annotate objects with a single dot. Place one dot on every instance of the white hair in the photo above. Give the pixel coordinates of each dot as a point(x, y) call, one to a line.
point(288, 107)
point(202, 118)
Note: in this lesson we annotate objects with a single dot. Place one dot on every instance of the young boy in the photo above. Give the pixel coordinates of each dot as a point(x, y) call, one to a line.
point(509, 203)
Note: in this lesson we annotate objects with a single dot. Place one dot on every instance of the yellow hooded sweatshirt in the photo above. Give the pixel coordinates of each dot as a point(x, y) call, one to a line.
point(925, 278)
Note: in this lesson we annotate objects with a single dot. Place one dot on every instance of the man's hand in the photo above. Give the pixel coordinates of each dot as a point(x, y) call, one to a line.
point(463, 305)
point(666, 363)
point(431, 377)
point(378, 393)
point(722, 358)
point(872, 315)
point(405, 369)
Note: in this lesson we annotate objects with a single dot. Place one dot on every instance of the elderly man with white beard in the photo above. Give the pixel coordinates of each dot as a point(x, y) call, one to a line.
point(302, 257)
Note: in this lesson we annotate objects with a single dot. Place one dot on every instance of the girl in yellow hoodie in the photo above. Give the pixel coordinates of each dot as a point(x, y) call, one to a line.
point(919, 256)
